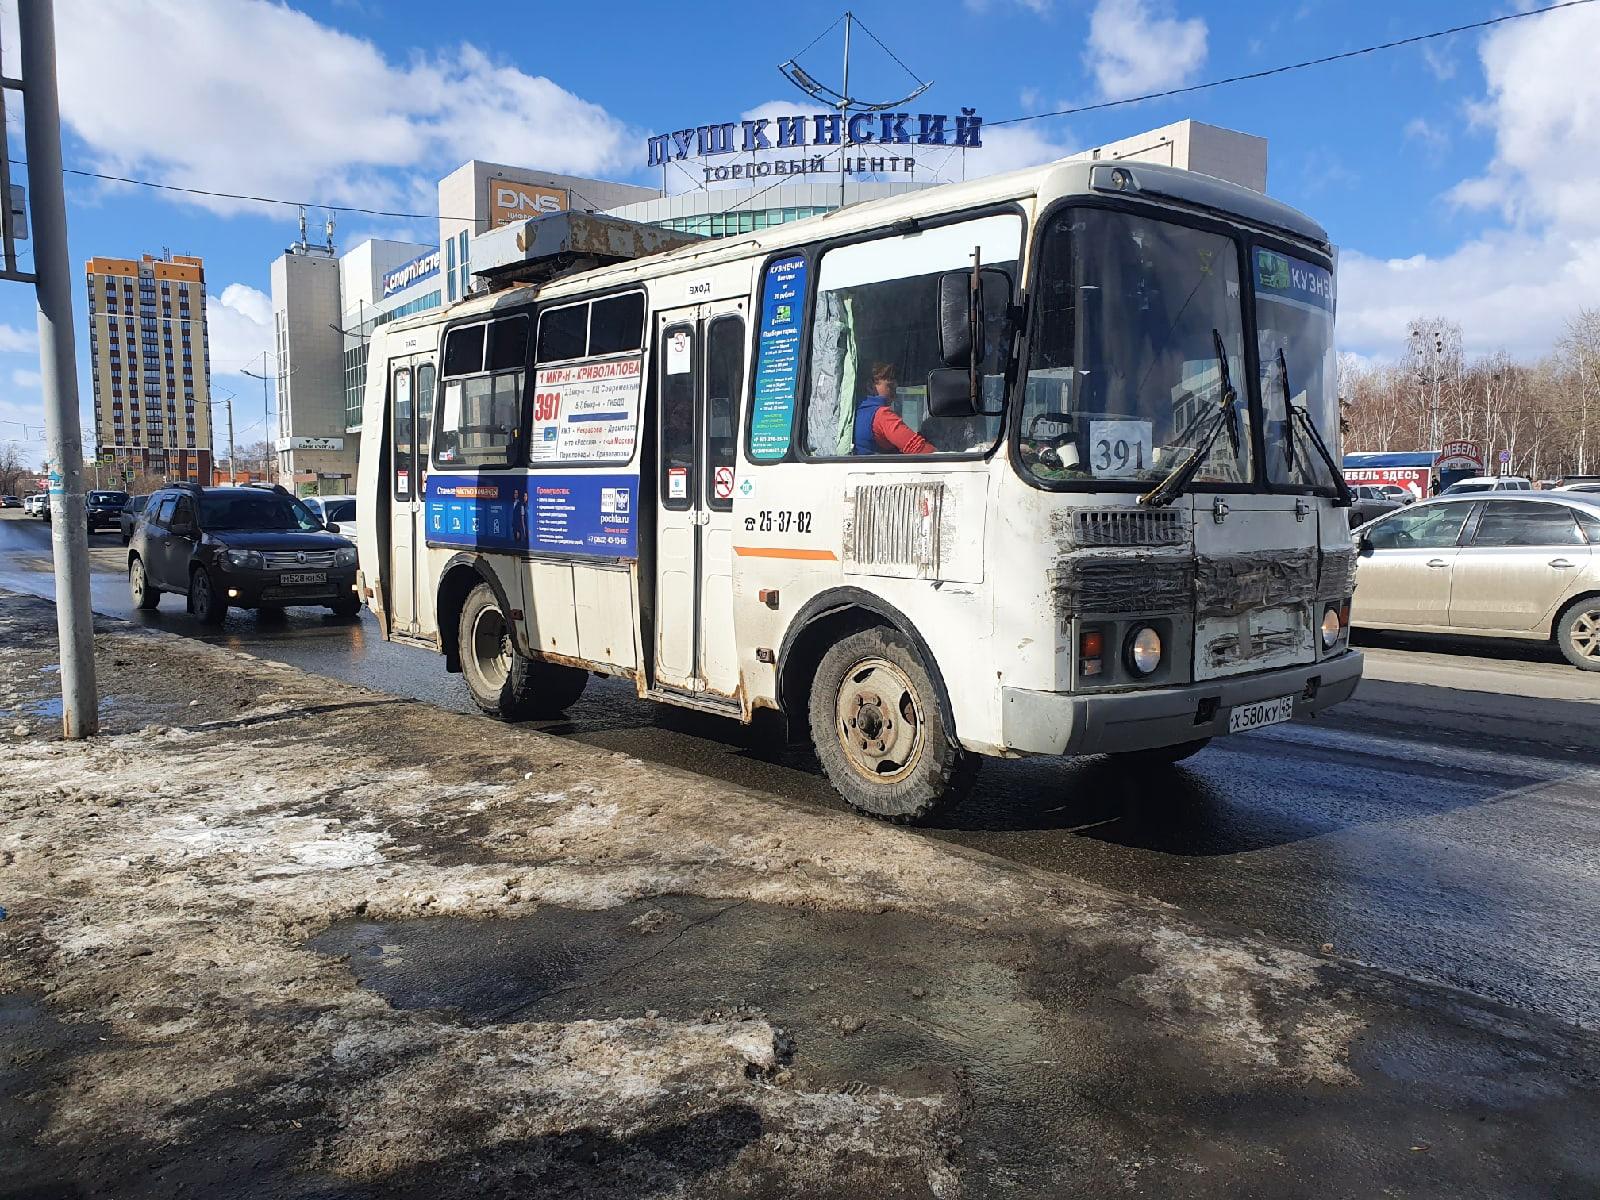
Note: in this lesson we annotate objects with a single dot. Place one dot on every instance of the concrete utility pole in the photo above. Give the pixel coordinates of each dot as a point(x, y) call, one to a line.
point(269, 441)
point(58, 370)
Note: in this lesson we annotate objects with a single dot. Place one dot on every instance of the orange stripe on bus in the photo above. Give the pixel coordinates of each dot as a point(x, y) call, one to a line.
point(782, 552)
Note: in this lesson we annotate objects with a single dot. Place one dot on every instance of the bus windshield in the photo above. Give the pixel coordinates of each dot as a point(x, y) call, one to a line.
point(1125, 377)
point(1294, 332)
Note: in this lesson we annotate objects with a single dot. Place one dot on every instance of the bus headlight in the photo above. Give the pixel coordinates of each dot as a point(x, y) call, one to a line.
point(1330, 627)
point(1144, 650)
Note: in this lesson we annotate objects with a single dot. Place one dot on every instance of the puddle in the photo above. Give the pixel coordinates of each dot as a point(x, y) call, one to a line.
point(1067, 1080)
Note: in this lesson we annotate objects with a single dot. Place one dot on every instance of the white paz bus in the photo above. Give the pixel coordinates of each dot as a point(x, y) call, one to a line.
point(1038, 464)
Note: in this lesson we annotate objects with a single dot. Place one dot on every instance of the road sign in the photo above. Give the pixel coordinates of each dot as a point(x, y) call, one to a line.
point(1505, 456)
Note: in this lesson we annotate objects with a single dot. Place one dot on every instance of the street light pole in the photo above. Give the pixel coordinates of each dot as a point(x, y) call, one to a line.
point(69, 533)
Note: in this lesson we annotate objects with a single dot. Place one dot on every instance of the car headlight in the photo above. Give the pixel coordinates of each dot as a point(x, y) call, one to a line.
point(345, 556)
point(1144, 650)
point(247, 559)
point(1330, 627)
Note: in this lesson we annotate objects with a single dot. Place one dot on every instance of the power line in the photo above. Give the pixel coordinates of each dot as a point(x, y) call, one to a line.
point(1413, 40)
point(1284, 69)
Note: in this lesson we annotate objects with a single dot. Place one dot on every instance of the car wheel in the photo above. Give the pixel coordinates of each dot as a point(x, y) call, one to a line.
point(347, 607)
point(208, 607)
point(504, 682)
point(882, 731)
point(1578, 634)
point(144, 595)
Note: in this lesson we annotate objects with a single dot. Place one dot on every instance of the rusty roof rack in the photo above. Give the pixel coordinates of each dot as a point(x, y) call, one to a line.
point(539, 249)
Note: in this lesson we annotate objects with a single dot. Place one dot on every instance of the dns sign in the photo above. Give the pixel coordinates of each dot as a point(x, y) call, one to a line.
point(513, 201)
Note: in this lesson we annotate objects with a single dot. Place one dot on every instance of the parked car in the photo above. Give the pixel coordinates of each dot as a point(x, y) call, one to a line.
point(36, 505)
point(1495, 564)
point(245, 547)
point(335, 510)
point(104, 508)
point(129, 516)
point(1579, 487)
point(10, 502)
point(1368, 503)
point(1488, 483)
point(1395, 492)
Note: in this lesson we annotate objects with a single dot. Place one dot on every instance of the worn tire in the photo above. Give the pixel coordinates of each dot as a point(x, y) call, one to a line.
point(144, 595)
point(1163, 756)
point(509, 685)
point(875, 683)
point(208, 607)
point(1578, 633)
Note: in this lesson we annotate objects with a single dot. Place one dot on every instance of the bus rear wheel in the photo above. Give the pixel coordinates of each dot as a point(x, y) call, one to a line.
point(504, 682)
point(882, 732)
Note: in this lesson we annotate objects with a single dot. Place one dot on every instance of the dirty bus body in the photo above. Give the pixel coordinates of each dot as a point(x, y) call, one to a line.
point(1038, 464)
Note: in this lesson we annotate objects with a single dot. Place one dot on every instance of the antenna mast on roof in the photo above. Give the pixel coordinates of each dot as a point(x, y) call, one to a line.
point(842, 99)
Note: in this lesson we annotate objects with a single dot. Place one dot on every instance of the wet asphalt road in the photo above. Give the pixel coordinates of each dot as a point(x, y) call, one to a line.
point(1442, 825)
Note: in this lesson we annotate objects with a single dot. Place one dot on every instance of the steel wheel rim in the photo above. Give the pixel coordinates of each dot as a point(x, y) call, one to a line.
point(879, 720)
point(202, 593)
point(1585, 636)
point(137, 572)
point(491, 647)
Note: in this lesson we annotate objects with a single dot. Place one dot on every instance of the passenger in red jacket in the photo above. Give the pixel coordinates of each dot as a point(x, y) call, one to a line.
point(879, 429)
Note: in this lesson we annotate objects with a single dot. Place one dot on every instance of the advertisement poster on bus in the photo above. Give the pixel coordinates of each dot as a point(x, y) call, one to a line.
point(586, 513)
point(586, 413)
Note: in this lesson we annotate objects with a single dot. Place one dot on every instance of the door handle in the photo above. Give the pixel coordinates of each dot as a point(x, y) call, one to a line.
point(1437, 562)
point(1562, 564)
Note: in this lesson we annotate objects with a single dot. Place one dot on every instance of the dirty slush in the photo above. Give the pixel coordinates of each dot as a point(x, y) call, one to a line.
point(275, 936)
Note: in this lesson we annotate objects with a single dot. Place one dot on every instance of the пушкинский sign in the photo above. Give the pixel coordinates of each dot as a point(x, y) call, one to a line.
point(832, 130)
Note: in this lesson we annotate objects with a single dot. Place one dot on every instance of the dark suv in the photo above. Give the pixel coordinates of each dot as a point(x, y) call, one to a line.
point(250, 547)
point(103, 508)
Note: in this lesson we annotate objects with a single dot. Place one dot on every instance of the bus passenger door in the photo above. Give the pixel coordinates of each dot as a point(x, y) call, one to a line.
point(700, 367)
point(411, 421)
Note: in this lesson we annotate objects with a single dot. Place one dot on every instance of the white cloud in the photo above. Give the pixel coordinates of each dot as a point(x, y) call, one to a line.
point(23, 378)
point(16, 341)
point(259, 98)
point(239, 325)
point(1514, 285)
point(1136, 46)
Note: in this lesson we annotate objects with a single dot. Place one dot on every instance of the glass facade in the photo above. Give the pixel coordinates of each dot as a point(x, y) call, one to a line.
point(726, 224)
point(355, 354)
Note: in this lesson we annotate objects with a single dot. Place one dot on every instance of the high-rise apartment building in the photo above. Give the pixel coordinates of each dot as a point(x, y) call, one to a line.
point(151, 365)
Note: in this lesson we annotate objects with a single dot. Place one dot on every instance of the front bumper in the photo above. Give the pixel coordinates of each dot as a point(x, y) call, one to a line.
point(250, 589)
point(1058, 723)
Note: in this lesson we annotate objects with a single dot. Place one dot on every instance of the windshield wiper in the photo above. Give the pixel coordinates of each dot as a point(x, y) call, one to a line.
point(1226, 416)
point(1294, 412)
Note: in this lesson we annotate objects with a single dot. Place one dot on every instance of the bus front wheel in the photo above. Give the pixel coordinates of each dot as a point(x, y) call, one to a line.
point(882, 731)
point(504, 682)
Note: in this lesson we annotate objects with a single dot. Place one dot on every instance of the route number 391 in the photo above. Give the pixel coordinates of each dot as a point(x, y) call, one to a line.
point(1119, 449)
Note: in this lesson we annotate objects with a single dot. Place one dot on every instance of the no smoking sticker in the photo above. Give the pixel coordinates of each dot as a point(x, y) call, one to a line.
point(722, 483)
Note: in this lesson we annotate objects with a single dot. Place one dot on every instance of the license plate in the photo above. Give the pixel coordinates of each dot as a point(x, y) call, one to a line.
point(1261, 713)
point(303, 577)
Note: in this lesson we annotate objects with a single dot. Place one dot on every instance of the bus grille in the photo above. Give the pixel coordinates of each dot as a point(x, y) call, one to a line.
point(1128, 527)
point(288, 560)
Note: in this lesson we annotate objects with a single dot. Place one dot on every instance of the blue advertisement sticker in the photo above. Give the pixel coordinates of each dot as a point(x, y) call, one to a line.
point(1293, 281)
point(783, 294)
point(582, 513)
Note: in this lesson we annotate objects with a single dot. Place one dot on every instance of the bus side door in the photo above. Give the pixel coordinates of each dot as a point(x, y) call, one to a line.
point(411, 390)
point(700, 353)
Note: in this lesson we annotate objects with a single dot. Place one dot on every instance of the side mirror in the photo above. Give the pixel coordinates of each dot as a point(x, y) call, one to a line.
point(332, 527)
point(1364, 546)
point(969, 311)
point(950, 393)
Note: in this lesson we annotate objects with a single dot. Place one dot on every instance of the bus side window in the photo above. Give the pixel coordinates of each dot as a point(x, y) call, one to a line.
point(724, 387)
point(404, 448)
point(424, 404)
point(480, 407)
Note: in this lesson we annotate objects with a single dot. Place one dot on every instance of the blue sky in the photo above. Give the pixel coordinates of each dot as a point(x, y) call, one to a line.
point(1461, 178)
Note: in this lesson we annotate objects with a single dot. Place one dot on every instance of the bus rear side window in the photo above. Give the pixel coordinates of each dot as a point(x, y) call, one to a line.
point(563, 333)
point(617, 324)
point(463, 351)
point(508, 344)
point(480, 416)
